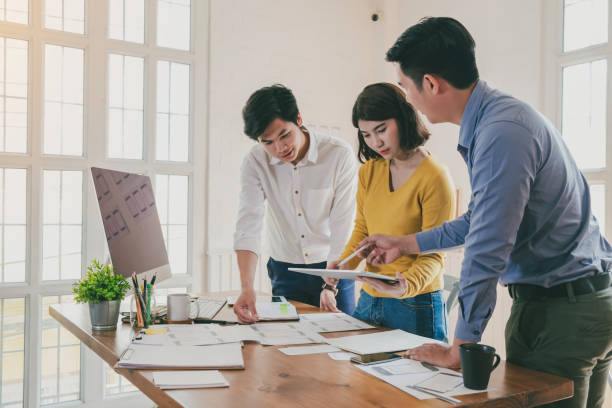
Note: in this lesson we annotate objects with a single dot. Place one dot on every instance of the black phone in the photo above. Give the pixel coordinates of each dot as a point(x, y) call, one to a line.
point(375, 358)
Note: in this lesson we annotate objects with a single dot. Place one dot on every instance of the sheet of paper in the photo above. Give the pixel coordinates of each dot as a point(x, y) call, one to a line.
point(216, 356)
point(189, 379)
point(387, 341)
point(341, 356)
point(442, 382)
point(298, 351)
point(333, 322)
point(410, 373)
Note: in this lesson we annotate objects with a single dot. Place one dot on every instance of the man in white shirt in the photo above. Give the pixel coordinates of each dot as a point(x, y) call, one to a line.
point(309, 183)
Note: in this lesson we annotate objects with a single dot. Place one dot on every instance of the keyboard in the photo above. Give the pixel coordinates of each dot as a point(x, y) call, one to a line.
point(209, 306)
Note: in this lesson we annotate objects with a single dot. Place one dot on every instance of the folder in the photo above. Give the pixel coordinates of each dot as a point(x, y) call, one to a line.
point(218, 356)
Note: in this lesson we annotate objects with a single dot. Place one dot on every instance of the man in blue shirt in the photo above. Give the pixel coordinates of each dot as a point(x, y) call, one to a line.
point(529, 222)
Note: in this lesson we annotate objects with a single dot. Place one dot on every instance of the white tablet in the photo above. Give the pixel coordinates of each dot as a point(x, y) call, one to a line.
point(344, 274)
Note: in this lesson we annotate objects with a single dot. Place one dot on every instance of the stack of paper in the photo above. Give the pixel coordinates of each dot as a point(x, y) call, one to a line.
point(216, 356)
point(276, 311)
point(387, 341)
point(174, 380)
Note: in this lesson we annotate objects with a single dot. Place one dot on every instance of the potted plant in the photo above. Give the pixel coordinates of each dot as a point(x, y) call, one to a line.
point(103, 290)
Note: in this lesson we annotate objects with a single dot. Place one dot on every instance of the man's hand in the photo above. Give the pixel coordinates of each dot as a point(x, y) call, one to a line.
point(328, 301)
point(386, 248)
point(244, 308)
point(437, 354)
point(396, 289)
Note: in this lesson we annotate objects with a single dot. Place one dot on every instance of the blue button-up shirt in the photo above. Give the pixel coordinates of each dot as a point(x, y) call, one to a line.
point(529, 218)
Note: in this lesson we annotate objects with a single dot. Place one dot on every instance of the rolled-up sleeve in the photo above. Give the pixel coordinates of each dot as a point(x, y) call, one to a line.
point(247, 235)
point(342, 212)
point(504, 166)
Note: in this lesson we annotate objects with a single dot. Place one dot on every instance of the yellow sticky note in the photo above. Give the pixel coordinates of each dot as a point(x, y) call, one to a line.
point(284, 309)
point(156, 330)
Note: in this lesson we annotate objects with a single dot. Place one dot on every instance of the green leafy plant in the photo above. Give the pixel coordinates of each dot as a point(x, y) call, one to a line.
point(101, 284)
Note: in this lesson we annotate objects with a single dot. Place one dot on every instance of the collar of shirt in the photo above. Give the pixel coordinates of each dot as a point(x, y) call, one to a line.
point(311, 155)
point(470, 116)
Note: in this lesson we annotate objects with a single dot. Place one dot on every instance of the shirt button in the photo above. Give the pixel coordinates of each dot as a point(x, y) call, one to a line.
point(295, 168)
point(296, 191)
point(299, 214)
point(305, 254)
point(302, 236)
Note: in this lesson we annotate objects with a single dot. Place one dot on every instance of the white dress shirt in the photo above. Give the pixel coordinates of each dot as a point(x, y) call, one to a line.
point(310, 206)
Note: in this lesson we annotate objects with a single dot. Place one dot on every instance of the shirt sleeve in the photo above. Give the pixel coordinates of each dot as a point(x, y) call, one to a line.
point(448, 235)
point(251, 209)
point(360, 228)
point(504, 167)
point(342, 211)
point(437, 206)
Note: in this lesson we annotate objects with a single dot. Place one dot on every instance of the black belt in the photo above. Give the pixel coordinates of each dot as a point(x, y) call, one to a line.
point(582, 286)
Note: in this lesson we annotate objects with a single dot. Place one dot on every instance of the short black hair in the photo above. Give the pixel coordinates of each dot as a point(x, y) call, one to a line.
point(439, 46)
point(267, 104)
point(384, 101)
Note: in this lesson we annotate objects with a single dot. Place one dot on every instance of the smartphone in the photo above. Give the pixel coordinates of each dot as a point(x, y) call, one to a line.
point(375, 358)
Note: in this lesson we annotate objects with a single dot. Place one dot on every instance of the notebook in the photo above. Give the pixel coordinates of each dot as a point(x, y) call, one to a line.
point(227, 356)
point(174, 380)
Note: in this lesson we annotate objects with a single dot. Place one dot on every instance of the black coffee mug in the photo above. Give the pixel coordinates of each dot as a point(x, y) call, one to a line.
point(477, 364)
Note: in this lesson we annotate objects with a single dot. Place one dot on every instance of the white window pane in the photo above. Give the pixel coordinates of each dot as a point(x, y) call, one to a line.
point(125, 111)
point(115, 383)
point(12, 314)
point(15, 125)
point(161, 197)
point(132, 133)
point(63, 101)
point(161, 149)
point(585, 23)
point(584, 113)
point(172, 142)
point(62, 234)
point(13, 240)
point(65, 15)
point(60, 357)
point(173, 24)
point(179, 137)
point(179, 90)
point(598, 205)
point(16, 67)
point(177, 248)
point(126, 20)
point(179, 200)
point(134, 83)
point(14, 205)
point(15, 11)
point(13, 95)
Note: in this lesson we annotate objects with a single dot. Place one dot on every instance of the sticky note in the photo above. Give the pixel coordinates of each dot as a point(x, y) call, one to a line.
point(157, 330)
point(284, 309)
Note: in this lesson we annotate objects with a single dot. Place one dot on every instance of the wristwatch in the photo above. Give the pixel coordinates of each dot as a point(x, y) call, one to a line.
point(330, 287)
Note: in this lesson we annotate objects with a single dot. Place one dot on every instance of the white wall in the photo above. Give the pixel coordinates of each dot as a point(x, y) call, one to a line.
point(509, 56)
point(320, 49)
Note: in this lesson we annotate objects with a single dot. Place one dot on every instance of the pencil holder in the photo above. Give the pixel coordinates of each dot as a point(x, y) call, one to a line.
point(149, 315)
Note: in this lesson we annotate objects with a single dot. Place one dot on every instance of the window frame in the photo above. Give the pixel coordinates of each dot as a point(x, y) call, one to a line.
point(555, 60)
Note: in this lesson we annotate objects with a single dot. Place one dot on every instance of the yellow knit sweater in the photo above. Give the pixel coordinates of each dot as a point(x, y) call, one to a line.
point(424, 201)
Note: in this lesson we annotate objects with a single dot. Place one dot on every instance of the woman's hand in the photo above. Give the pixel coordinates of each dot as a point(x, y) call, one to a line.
point(395, 290)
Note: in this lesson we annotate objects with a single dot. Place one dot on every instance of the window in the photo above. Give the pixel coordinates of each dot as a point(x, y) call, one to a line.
point(73, 95)
point(577, 91)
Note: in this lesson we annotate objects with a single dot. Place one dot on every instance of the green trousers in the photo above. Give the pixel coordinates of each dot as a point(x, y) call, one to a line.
point(568, 336)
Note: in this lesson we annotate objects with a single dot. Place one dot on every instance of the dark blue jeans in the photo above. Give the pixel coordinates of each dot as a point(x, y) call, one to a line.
point(423, 315)
point(307, 288)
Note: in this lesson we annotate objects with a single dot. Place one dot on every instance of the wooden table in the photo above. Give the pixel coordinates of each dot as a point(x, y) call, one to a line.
point(272, 378)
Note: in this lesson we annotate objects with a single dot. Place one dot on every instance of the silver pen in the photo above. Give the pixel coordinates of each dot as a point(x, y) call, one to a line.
point(351, 256)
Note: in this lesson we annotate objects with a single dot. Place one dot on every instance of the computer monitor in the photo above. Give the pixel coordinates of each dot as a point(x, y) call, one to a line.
point(131, 223)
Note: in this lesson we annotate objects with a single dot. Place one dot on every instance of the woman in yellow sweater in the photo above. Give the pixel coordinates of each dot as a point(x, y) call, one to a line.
point(402, 190)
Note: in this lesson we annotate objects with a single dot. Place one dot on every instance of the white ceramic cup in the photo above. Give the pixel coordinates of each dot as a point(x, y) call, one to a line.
point(180, 307)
